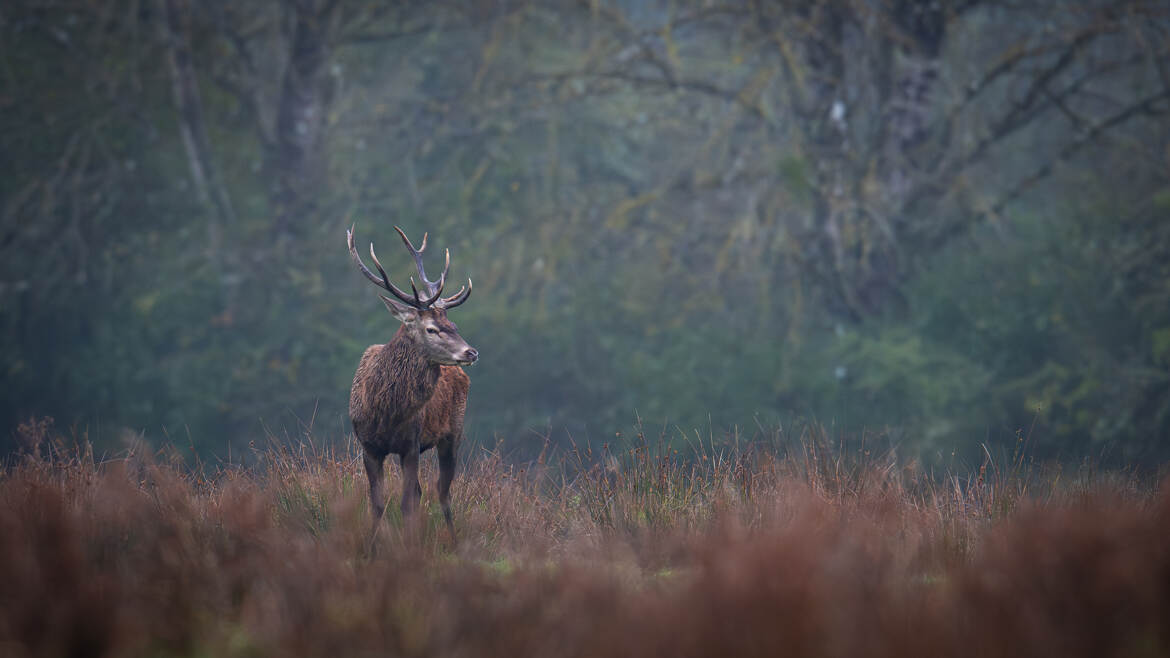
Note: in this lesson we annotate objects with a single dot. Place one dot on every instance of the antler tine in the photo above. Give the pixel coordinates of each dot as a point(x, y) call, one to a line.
point(417, 301)
point(384, 282)
point(426, 303)
point(446, 266)
point(438, 289)
point(378, 264)
point(418, 260)
point(358, 259)
point(458, 298)
point(409, 244)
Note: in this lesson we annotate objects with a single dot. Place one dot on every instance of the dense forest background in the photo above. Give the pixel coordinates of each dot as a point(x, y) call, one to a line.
point(943, 223)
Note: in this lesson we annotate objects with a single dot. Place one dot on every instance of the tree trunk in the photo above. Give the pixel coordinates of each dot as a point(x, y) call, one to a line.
point(295, 160)
point(189, 104)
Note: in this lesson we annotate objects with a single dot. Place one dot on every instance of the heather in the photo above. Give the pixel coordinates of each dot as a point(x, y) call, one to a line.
point(806, 547)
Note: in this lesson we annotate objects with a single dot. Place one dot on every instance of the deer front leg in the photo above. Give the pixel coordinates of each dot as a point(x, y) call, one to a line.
point(376, 476)
point(411, 491)
point(446, 452)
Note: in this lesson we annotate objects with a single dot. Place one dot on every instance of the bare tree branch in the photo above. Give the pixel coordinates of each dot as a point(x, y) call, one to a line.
point(1146, 106)
point(185, 90)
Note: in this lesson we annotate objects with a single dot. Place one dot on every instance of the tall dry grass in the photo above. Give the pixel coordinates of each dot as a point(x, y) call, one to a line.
point(817, 551)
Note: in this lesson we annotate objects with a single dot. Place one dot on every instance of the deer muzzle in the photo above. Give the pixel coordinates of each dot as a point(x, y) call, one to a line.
point(469, 356)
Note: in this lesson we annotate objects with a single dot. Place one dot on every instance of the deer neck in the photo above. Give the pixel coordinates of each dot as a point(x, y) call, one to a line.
point(411, 366)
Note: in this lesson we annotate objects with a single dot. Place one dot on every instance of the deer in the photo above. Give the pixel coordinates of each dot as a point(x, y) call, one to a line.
point(409, 395)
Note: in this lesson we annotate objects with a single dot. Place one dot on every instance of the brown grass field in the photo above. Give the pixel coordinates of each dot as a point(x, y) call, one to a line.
point(813, 550)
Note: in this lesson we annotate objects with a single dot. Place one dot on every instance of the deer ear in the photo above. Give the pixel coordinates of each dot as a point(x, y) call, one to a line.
point(404, 313)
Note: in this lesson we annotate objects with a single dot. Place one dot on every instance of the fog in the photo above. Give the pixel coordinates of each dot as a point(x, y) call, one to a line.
point(937, 227)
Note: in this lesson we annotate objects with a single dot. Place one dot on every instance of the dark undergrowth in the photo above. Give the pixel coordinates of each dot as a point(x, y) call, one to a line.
point(756, 550)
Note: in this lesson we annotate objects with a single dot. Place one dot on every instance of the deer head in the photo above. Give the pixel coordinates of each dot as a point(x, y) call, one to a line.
point(423, 315)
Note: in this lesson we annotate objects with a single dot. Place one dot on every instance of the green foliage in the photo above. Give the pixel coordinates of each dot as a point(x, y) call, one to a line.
point(897, 378)
point(1056, 324)
point(794, 175)
point(704, 250)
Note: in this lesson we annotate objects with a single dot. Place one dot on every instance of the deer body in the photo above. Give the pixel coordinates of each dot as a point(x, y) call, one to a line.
point(409, 395)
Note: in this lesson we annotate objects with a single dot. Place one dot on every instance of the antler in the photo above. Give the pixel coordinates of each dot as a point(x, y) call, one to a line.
point(456, 299)
point(433, 289)
point(418, 261)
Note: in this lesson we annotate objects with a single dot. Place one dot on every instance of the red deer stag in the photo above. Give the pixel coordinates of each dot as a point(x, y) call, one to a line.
point(409, 395)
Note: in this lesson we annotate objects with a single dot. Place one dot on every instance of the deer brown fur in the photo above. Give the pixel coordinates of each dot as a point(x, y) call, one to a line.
point(409, 395)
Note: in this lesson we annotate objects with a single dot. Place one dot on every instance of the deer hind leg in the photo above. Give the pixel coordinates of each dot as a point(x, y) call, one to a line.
point(446, 453)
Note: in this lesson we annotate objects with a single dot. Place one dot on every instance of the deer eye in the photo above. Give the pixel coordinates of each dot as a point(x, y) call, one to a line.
point(432, 330)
